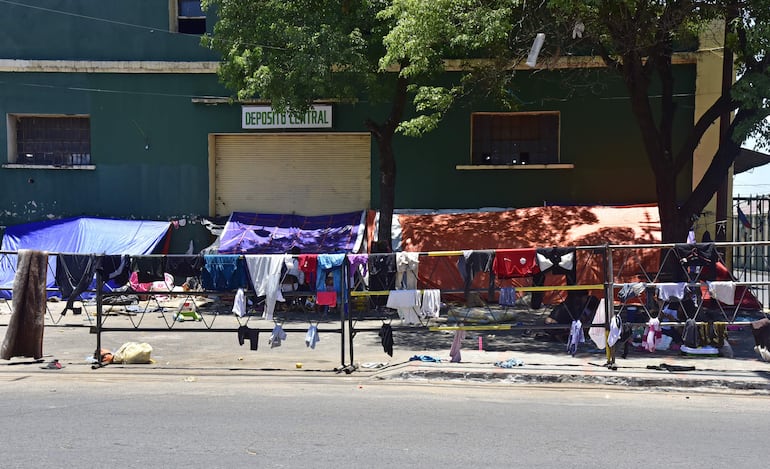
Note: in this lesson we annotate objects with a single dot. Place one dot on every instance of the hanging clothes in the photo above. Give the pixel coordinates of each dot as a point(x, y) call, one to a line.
point(668, 291)
point(265, 273)
point(358, 263)
point(149, 268)
point(407, 264)
point(74, 274)
point(515, 263)
point(631, 290)
point(722, 291)
point(616, 330)
point(308, 264)
point(24, 333)
point(326, 298)
point(507, 296)
point(597, 332)
point(382, 275)
point(576, 337)
point(252, 335)
point(431, 303)
point(455, 354)
point(386, 338)
point(185, 266)
point(407, 303)
point(311, 338)
point(652, 335)
point(555, 261)
point(330, 264)
point(223, 272)
point(239, 303)
point(277, 336)
point(473, 262)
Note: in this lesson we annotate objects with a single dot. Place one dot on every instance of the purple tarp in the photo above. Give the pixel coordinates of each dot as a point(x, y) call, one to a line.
point(256, 233)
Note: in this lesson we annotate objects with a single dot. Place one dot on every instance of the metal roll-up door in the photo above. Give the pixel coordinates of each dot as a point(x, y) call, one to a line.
point(306, 174)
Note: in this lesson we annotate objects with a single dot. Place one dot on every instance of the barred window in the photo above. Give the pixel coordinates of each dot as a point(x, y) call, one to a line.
point(50, 140)
point(515, 138)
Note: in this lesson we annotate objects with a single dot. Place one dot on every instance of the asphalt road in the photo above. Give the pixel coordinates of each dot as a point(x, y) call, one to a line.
point(93, 421)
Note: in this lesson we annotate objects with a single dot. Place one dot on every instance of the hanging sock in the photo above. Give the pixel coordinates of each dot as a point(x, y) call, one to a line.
point(278, 335)
point(454, 352)
point(311, 338)
point(616, 330)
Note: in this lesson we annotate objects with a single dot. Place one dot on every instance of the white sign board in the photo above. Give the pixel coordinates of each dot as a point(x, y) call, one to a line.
point(264, 117)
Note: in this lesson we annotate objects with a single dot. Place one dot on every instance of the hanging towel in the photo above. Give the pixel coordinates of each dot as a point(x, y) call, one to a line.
point(597, 333)
point(666, 291)
point(507, 296)
point(311, 338)
point(403, 299)
point(431, 303)
point(724, 292)
point(239, 303)
point(454, 351)
point(265, 273)
point(326, 298)
point(277, 336)
point(576, 337)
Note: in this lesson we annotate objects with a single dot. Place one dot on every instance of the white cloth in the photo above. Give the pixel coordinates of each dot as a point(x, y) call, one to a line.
point(407, 264)
point(566, 261)
point(576, 337)
point(292, 268)
point(596, 333)
point(431, 303)
point(724, 292)
point(407, 303)
point(265, 273)
point(666, 291)
point(239, 303)
point(403, 299)
point(616, 329)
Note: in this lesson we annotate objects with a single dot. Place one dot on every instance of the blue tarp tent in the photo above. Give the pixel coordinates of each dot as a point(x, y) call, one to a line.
point(80, 235)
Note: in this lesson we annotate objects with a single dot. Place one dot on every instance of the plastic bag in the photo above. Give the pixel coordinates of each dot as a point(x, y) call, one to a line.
point(133, 353)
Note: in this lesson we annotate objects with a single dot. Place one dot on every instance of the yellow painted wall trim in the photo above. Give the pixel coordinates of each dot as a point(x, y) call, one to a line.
point(106, 66)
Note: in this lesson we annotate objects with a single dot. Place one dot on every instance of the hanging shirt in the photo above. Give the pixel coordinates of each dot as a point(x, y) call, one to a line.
point(515, 263)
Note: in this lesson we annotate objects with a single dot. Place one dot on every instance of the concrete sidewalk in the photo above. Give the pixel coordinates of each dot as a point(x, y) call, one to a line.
point(206, 352)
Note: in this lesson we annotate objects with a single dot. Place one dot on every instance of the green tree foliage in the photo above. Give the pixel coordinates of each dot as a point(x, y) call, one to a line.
point(296, 52)
point(637, 38)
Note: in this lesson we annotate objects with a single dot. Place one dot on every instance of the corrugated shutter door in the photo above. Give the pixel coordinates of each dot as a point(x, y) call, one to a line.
point(307, 174)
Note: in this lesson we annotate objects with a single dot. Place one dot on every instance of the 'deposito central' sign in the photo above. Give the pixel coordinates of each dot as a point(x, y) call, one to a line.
point(265, 117)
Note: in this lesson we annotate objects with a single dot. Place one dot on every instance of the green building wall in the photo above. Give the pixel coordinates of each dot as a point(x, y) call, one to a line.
point(149, 136)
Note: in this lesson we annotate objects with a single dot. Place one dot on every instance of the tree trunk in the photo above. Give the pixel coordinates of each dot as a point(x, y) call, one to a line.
point(383, 134)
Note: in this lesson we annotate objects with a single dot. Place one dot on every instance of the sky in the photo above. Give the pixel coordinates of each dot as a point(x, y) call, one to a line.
point(755, 181)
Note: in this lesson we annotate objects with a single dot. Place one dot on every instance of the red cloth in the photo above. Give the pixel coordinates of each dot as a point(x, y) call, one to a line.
point(326, 298)
point(308, 263)
point(514, 263)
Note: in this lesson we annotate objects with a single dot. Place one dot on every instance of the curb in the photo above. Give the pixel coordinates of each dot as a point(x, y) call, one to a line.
point(577, 378)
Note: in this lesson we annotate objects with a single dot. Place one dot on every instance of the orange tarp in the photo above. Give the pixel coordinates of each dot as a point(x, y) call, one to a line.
point(531, 227)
